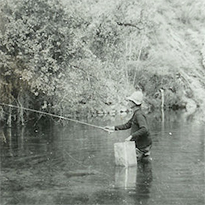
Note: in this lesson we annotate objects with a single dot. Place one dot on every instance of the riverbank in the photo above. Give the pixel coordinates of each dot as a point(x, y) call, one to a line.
point(108, 56)
point(197, 85)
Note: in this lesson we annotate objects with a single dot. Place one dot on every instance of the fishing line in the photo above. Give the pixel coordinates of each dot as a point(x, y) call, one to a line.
point(81, 163)
point(65, 118)
point(57, 116)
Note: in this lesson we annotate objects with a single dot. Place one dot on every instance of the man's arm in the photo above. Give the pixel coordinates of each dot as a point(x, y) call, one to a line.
point(125, 126)
point(143, 128)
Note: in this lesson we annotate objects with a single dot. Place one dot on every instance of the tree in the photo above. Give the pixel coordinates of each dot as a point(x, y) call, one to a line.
point(38, 43)
point(50, 57)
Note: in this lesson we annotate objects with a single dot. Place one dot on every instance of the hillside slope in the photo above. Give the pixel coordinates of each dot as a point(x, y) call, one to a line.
point(180, 47)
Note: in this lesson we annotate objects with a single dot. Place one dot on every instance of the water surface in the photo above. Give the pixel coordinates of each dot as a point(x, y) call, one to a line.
point(72, 164)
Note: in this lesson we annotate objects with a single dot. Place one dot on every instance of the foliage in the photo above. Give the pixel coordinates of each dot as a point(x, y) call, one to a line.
point(45, 47)
point(35, 36)
point(86, 55)
point(152, 82)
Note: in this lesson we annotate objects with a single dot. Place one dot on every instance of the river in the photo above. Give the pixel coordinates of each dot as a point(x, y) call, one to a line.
point(70, 163)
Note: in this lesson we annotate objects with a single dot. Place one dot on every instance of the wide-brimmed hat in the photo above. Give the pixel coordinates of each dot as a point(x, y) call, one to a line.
point(136, 97)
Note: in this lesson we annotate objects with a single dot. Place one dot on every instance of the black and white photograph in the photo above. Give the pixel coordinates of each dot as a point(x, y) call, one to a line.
point(102, 102)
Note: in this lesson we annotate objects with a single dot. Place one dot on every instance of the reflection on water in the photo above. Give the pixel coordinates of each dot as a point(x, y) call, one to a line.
point(137, 180)
point(125, 177)
point(74, 164)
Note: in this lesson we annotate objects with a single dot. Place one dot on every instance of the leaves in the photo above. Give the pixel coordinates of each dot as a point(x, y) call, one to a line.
point(91, 53)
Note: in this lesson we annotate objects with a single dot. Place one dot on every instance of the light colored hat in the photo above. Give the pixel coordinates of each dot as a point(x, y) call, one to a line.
point(136, 97)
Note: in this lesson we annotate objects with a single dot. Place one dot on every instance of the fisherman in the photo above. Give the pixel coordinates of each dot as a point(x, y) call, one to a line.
point(139, 128)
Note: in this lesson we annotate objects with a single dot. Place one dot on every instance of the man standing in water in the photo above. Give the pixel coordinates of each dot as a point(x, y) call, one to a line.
point(139, 128)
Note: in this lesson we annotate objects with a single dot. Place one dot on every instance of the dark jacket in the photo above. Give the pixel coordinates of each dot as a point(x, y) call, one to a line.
point(139, 129)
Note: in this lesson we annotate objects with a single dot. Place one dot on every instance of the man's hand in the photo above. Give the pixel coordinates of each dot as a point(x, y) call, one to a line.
point(129, 138)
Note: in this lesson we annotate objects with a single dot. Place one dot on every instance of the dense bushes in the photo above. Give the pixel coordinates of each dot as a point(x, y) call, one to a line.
point(87, 56)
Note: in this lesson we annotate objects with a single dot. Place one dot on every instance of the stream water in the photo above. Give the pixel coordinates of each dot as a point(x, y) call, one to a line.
point(69, 163)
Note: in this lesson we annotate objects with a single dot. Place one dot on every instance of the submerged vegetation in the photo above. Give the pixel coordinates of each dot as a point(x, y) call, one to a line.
point(86, 56)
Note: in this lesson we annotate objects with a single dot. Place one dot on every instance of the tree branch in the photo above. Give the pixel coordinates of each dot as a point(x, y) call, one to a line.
point(129, 24)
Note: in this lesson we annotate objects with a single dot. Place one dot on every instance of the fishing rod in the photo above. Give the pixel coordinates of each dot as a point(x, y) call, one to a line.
point(57, 116)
